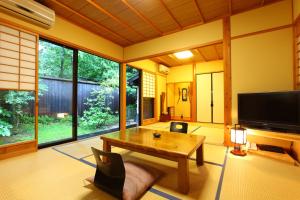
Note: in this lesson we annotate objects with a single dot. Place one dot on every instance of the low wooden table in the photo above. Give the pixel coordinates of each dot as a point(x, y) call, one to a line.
point(177, 147)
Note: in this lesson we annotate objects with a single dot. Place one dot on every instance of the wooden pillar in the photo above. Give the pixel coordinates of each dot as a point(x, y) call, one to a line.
point(123, 97)
point(194, 96)
point(227, 78)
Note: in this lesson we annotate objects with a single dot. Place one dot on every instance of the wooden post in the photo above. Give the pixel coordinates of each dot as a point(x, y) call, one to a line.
point(194, 96)
point(227, 78)
point(123, 97)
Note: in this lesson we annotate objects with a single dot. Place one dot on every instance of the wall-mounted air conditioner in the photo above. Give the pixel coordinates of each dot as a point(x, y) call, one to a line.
point(29, 10)
point(163, 69)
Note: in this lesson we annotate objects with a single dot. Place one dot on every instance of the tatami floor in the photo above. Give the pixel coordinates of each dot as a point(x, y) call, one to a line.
point(59, 173)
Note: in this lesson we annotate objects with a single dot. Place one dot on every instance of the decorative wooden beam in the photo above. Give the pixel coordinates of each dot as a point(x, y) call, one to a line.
point(91, 21)
point(227, 79)
point(199, 11)
point(140, 15)
point(171, 14)
point(123, 23)
point(201, 54)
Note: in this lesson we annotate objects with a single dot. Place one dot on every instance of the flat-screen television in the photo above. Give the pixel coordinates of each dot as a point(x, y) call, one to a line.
point(274, 111)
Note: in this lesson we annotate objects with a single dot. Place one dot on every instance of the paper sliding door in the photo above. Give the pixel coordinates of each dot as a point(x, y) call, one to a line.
point(204, 99)
point(218, 97)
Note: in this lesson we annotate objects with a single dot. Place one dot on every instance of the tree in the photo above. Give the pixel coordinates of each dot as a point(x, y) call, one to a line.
point(55, 61)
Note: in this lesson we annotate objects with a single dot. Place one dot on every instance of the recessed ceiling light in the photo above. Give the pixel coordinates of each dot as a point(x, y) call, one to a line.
point(183, 54)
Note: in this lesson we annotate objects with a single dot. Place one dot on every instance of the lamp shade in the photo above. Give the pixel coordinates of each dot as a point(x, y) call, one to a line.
point(238, 135)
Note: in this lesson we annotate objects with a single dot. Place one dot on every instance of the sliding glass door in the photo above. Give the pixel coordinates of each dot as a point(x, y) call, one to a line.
point(78, 94)
point(133, 93)
point(98, 95)
point(55, 92)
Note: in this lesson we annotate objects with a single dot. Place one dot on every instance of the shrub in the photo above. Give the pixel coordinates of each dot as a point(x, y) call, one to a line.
point(66, 119)
point(46, 120)
point(27, 119)
point(5, 128)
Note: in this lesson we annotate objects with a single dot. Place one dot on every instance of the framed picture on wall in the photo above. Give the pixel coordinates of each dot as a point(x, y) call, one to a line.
point(184, 93)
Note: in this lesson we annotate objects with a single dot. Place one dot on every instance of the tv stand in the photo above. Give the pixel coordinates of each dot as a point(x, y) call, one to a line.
point(288, 141)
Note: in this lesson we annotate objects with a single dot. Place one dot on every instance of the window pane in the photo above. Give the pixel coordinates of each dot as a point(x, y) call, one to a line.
point(55, 92)
point(16, 116)
point(98, 94)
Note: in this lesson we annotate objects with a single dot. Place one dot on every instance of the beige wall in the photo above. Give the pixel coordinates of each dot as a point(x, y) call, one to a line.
point(261, 63)
point(147, 65)
point(267, 17)
point(208, 67)
point(195, 36)
point(70, 33)
point(296, 8)
point(182, 73)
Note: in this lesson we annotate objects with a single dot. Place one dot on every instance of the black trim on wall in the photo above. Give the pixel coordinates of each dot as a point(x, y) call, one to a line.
point(75, 94)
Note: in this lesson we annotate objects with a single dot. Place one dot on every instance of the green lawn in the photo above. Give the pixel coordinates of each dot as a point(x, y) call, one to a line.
point(47, 133)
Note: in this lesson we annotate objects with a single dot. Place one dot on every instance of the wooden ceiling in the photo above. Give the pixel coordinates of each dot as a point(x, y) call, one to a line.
point(202, 54)
point(127, 22)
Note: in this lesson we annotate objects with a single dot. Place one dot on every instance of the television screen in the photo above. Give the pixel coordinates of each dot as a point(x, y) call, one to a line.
point(276, 110)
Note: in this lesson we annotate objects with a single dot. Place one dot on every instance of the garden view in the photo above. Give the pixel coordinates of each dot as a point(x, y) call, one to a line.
point(97, 98)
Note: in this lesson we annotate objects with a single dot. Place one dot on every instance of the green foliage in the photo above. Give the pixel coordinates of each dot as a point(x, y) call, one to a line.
point(99, 113)
point(55, 61)
point(27, 119)
point(95, 68)
point(67, 119)
point(46, 120)
point(4, 126)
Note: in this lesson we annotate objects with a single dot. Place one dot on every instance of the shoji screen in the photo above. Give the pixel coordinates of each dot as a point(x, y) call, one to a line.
point(218, 97)
point(148, 85)
point(148, 96)
point(17, 59)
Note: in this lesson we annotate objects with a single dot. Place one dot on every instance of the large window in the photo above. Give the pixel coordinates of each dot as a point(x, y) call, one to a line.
point(16, 116)
point(55, 92)
point(78, 94)
point(98, 94)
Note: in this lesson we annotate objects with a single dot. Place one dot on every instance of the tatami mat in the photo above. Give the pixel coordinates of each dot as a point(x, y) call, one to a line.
point(260, 178)
point(81, 148)
point(213, 154)
point(213, 135)
point(203, 180)
point(59, 173)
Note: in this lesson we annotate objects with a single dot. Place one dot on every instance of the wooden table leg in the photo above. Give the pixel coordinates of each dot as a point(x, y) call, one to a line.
point(106, 148)
point(199, 155)
point(183, 175)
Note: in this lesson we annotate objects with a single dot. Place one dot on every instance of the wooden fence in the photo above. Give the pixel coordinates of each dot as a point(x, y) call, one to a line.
point(58, 97)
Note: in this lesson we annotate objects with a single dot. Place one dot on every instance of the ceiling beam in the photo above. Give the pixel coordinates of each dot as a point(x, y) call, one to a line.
point(171, 14)
point(199, 11)
point(201, 54)
point(140, 15)
point(216, 50)
point(230, 7)
point(161, 61)
point(123, 23)
point(91, 21)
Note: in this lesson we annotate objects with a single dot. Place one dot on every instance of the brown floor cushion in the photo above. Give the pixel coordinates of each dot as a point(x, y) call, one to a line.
point(137, 181)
